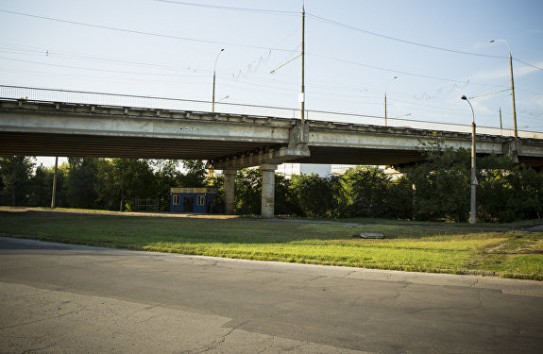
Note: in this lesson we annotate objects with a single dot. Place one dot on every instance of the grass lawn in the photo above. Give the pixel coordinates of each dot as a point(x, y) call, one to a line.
point(410, 246)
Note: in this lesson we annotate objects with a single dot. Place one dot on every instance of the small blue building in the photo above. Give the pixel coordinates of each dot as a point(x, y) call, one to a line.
point(192, 200)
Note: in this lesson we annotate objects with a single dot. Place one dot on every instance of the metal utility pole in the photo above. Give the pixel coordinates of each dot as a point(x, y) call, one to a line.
point(54, 193)
point(473, 171)
point(512, 94)
point(501, 121)
point(513, 97)
point(214, 79)
point(302, 93)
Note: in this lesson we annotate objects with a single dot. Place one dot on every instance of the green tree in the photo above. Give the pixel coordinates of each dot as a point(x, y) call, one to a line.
point(135, 179)
point(248, 191)
point(16, 172)
point(195, 174)
point(218, 182)
point(285, 201)
point(527, 197)
point(108, 185)
point(315, 196)
point(441, 185)
point(122, 181)
point(81, 182)
point(365, 192)
point(400, 199)
point(167, 175)
point(495, 190)
point(41, 187)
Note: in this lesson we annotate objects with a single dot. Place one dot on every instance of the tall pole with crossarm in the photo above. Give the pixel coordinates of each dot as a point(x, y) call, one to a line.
point(512, 78)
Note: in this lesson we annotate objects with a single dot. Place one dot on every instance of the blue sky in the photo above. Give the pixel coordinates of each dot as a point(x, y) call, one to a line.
point(354, 50)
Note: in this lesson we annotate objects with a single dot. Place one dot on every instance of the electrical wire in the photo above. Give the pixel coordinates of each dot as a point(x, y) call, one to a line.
point(89, 69)
point(525, 63)
point(489, 94)
point(329, 21)
point(257, 47)
point(231, 8)
point(151, 34)
point(337, 23)
point(273, 71)
point(401, 72)
point(283, 83)
point(53, 54)
point(247, 46)
point(405, 41)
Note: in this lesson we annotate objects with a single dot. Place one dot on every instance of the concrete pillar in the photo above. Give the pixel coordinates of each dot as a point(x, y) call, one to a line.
point(268, 190)
point(229, 186)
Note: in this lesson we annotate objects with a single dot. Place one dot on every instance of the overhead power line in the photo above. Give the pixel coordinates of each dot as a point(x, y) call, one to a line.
point(231, 8)
point(67, 55)
point(375, 34)
point(525, 63)
point(151, 34)
point(402, 72)
point(326, 20)
point(489, 93)
point(284, 64)
point(90, 69)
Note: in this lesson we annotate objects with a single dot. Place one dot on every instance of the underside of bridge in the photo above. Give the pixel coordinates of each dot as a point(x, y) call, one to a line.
point(77, 145)
point(39, 144)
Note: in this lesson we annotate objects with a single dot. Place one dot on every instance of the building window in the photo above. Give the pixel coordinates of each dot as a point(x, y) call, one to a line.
point(175, 199)
point(201, 199)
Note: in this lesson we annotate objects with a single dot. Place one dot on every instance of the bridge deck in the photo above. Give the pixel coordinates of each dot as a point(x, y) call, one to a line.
point(67, 129)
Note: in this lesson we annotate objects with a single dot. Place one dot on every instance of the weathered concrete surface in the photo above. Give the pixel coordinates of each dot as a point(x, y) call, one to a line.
point(229, 140)
point(72, 299)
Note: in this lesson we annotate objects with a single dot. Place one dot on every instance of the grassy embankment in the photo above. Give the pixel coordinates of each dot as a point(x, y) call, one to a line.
point(423, 247)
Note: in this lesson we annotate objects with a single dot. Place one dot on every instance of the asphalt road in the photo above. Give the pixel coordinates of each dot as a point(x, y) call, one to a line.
point(71, 299)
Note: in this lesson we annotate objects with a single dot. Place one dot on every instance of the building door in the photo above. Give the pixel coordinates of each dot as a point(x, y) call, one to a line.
point(188, 204)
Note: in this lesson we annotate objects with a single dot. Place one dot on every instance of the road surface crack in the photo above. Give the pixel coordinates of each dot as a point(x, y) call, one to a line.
point(216, 343)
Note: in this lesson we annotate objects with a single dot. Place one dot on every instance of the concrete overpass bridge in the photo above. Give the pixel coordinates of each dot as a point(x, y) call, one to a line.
point(228, 141)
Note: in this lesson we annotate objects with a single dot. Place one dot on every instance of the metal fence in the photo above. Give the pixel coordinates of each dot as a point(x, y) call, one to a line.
point(110, 99)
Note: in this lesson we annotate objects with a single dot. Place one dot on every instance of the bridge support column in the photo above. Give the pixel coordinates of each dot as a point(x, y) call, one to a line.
point(511, 150)
point(268, 190)
point(229, 186)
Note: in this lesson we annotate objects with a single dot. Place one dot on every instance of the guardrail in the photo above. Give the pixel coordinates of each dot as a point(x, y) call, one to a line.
point(110, 99)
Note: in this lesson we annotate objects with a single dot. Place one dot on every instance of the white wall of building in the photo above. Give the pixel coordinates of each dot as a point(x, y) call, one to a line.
point(291, 169)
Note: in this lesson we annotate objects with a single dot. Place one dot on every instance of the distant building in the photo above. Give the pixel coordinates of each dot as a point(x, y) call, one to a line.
point(291, 169)
point(338, 170)
point(192, 200)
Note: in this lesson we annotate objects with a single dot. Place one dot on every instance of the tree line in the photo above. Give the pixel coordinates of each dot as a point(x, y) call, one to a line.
point(95, 183)
point(436, 189)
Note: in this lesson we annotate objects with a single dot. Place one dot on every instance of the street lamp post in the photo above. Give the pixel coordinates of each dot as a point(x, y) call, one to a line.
point(54, 192)
point(386, 88)
point(512, 94)
point(473, 175)
point(214, 79)
point(302, 91)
